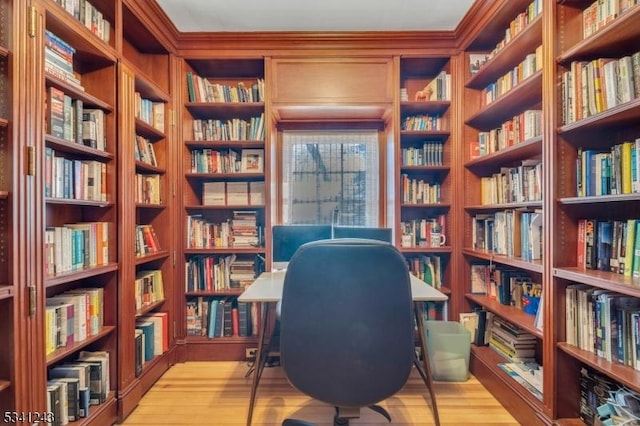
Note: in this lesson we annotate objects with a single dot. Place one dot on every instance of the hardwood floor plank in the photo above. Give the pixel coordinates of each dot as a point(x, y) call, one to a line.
point(217, 393)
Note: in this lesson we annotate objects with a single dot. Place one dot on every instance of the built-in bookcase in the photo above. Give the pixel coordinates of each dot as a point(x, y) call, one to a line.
point(503, 184)
point(76, 166)
point(596, 198)
point(423, 173)
point(147, 241)
point(224, 197)
point(11, 249)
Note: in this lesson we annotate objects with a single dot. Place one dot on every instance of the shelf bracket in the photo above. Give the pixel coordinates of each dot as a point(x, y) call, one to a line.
point(31, 161)
point(32, 300)
point(33, 14)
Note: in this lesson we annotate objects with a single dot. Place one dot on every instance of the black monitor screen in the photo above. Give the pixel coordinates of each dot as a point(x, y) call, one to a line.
point(287, 238)
point(381, 234)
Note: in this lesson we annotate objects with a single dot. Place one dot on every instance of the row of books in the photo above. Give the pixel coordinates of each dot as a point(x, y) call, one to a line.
point(423, 122)
point(89, 16)
point(146, 241)
point(69, 119)
point(525, 69)
point(220, 273)
point(513, 233)
point(609, 246)
point(144, 151)
point(148, 288)
point(148, 189)
point(429, 154)
point(221, 317)
point(519, 184)
point(233, 193)
point(507, 286)
point(234, 129)
point(241, 231)
point(73, 316)
point(601, 12)
point(597, 390)
point(418, 191)
point(438, 89)
point(427, 268)
point(591, 87)
point(201, 89)
point(149, 111)
point(520, 128)
point(76, 246)
point(151, 338)
point(604, 323)
point(419, 232)
point(74, 179)
point(207, 160)
point(612, 172)
point(75, 386)
point(58, 59)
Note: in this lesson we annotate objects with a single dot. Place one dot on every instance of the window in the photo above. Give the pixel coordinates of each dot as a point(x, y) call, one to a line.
point(331, 172)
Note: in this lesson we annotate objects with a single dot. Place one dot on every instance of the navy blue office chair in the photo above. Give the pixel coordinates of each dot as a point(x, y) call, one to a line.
point(347, 325)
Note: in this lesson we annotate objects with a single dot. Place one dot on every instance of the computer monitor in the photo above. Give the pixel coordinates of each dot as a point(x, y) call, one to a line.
point(381, 234)
point(287, 238)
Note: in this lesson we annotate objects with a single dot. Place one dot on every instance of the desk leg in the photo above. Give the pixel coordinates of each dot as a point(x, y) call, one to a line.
point(261, 357)
point(425, 371)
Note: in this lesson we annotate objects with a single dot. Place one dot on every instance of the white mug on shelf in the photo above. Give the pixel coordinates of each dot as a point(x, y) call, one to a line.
point(438, 239)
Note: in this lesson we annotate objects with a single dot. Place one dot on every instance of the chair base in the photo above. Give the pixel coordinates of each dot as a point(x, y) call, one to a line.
point(339, 420)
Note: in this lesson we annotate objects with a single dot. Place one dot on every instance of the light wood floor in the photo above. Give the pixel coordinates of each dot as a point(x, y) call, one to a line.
point(217, 393)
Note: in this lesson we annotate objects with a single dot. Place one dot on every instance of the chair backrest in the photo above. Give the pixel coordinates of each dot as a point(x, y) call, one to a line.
point(346, 327)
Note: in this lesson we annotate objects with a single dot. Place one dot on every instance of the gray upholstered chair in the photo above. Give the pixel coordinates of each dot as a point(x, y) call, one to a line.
point(347, 325)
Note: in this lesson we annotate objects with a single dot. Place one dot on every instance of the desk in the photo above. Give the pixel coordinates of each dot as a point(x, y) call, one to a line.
point(267, 289)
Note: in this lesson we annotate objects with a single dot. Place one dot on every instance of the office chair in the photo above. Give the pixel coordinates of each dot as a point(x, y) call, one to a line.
point(347, 326)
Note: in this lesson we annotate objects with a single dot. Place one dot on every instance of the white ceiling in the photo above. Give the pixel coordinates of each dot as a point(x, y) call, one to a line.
point(319, 15)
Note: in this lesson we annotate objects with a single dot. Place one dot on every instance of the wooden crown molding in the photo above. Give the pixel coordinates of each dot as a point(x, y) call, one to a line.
point(156, 20)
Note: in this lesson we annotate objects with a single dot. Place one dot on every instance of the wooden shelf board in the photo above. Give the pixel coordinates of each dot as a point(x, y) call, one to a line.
point(613, 40)
point(88, 100)
point(510, 55)
point(419, 107)
point(151, 206)
point(4, 195)
point(203, 340)
point(493, 31)
point(618, 115)
point(229, 292)
point(511, 314)
point(84, 203)
point(225, 250)
point(91, 51)
point(600, 199)
point(224, 207)
point(224, 110)
point(224, 176)
point(4, 384)
point(6, 291)
point(100, 414)
point(425, 169)
point(4, 51)
point(420, 250)
point(225, 144)
point(524, 205)
point(524, 96)
point(146, 86)
point(79, 275)
point(520, 151)
point(64, 145)
point(601, 279)
point(626, 375)
point(413, 136)
point(145, 167)
point(491, 359)
point(428, 206)
point(147, 130)
point(62, 353)
point(532, 266)
point(4, 122)
point(162, 254)
point(150, 307)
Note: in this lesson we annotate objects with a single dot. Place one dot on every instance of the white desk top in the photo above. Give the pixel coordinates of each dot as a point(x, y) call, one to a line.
point(268, 288)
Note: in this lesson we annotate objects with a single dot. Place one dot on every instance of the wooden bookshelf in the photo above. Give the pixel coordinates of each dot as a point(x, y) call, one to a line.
point(147, 204)
point(513, 315)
